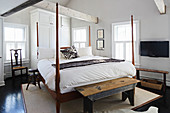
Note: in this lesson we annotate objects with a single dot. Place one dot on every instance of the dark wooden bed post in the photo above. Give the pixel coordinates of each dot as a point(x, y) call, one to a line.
point(37, 35)
point(133, 57)
point(133, 61)
point(57, 79)
point(89, 37)
point(37, 39)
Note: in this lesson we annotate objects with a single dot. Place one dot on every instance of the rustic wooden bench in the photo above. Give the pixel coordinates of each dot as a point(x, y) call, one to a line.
point(100, 90)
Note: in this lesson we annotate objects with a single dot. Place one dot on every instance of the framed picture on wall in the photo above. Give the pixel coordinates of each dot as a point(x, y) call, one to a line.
point(100, 33)
point(100, 44)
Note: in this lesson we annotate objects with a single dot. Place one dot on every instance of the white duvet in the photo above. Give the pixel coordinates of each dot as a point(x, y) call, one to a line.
point(79, 76)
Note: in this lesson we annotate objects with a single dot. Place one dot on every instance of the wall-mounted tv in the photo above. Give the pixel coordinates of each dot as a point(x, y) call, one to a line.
point(154, 48)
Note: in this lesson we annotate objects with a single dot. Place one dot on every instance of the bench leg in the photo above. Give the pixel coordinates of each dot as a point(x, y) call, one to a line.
point(88, 105)
point(130, 95)
point(124, 96)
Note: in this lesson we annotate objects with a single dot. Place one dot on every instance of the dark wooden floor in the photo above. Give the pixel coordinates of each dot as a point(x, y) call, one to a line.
point(11, 100)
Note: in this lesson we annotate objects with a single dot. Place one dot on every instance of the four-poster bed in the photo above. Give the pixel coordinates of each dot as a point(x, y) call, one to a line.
point(56, 94)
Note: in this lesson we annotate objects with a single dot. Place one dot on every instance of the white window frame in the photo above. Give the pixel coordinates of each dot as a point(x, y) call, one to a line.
point(87, 40)
point(137, 61)
point(26, 42)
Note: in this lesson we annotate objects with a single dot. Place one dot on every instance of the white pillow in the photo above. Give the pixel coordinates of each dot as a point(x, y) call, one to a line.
point(61, 57)
point(87, 51)
point(45, 53)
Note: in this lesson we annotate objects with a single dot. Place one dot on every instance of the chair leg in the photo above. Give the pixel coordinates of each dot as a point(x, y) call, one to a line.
point(21, 72)
point(27, 73)
point(57, 106)
point(35, 78)
point(13, 74)
point(28, 85)
point(38, 80)
point(21, 75)
point(29, 81)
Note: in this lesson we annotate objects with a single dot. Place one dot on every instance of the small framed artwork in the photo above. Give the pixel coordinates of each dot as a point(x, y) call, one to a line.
point(100, 44)
point(100, 33)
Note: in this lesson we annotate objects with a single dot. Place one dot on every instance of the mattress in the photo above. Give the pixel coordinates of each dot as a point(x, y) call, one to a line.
point(79, 76)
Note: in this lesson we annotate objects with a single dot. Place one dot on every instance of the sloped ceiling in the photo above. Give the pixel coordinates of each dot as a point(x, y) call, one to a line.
point(6, 5)
point(167, 3)
point(61, 2)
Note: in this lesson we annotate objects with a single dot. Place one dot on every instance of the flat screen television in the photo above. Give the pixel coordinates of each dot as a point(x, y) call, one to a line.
point(154, 48)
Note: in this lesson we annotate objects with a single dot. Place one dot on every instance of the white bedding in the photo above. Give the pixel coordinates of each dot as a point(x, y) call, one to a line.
point(79, 76)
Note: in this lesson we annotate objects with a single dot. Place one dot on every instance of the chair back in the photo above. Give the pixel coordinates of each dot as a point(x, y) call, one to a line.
point(15, 53)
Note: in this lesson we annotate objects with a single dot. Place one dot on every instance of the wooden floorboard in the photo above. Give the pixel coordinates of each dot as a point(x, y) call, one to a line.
point(10, 92)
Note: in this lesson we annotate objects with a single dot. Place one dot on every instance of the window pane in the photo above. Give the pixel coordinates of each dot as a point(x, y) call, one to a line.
point(129, 51)
point(135, 31)
point(19, 34)
point(15, 38)
point(79, 35)
point(82, 45)
point(76, 45)
point(14, 34)
point(8, 47)
point(123, 32)
point(119, 51)
point(9, 34)
point(128, 33)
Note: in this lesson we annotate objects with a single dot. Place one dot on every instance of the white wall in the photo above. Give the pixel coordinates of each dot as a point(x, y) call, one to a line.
point(21, 17)
point(152, 25)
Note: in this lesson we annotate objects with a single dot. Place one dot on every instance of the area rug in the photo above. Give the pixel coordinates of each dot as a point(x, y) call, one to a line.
point(40, 101)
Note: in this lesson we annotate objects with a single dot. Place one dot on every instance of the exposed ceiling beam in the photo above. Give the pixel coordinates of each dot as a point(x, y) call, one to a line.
point(20, 7)
point(78, 15)
point(161, 6)
point(67, 11)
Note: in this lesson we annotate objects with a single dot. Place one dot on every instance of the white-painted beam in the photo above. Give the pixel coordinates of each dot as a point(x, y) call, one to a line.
point(67, 11)
point(161, 6)
point(76, 14)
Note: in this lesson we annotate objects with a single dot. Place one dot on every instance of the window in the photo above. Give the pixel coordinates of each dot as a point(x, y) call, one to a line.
point(122, 41)
point(80, 37)
point(15, 37)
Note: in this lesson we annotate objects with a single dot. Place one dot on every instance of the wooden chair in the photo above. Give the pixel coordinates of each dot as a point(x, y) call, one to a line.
point(16, 65)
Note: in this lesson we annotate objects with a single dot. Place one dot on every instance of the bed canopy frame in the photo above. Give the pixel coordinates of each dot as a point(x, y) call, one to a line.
point(60, 98)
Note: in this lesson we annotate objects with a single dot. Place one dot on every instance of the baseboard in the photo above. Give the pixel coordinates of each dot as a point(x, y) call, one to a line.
point(2, 83)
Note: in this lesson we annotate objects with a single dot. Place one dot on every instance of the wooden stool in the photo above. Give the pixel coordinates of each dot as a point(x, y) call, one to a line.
point(34, 76)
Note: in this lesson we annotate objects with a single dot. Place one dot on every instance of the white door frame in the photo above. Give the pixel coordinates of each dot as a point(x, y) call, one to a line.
point(1, 54)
